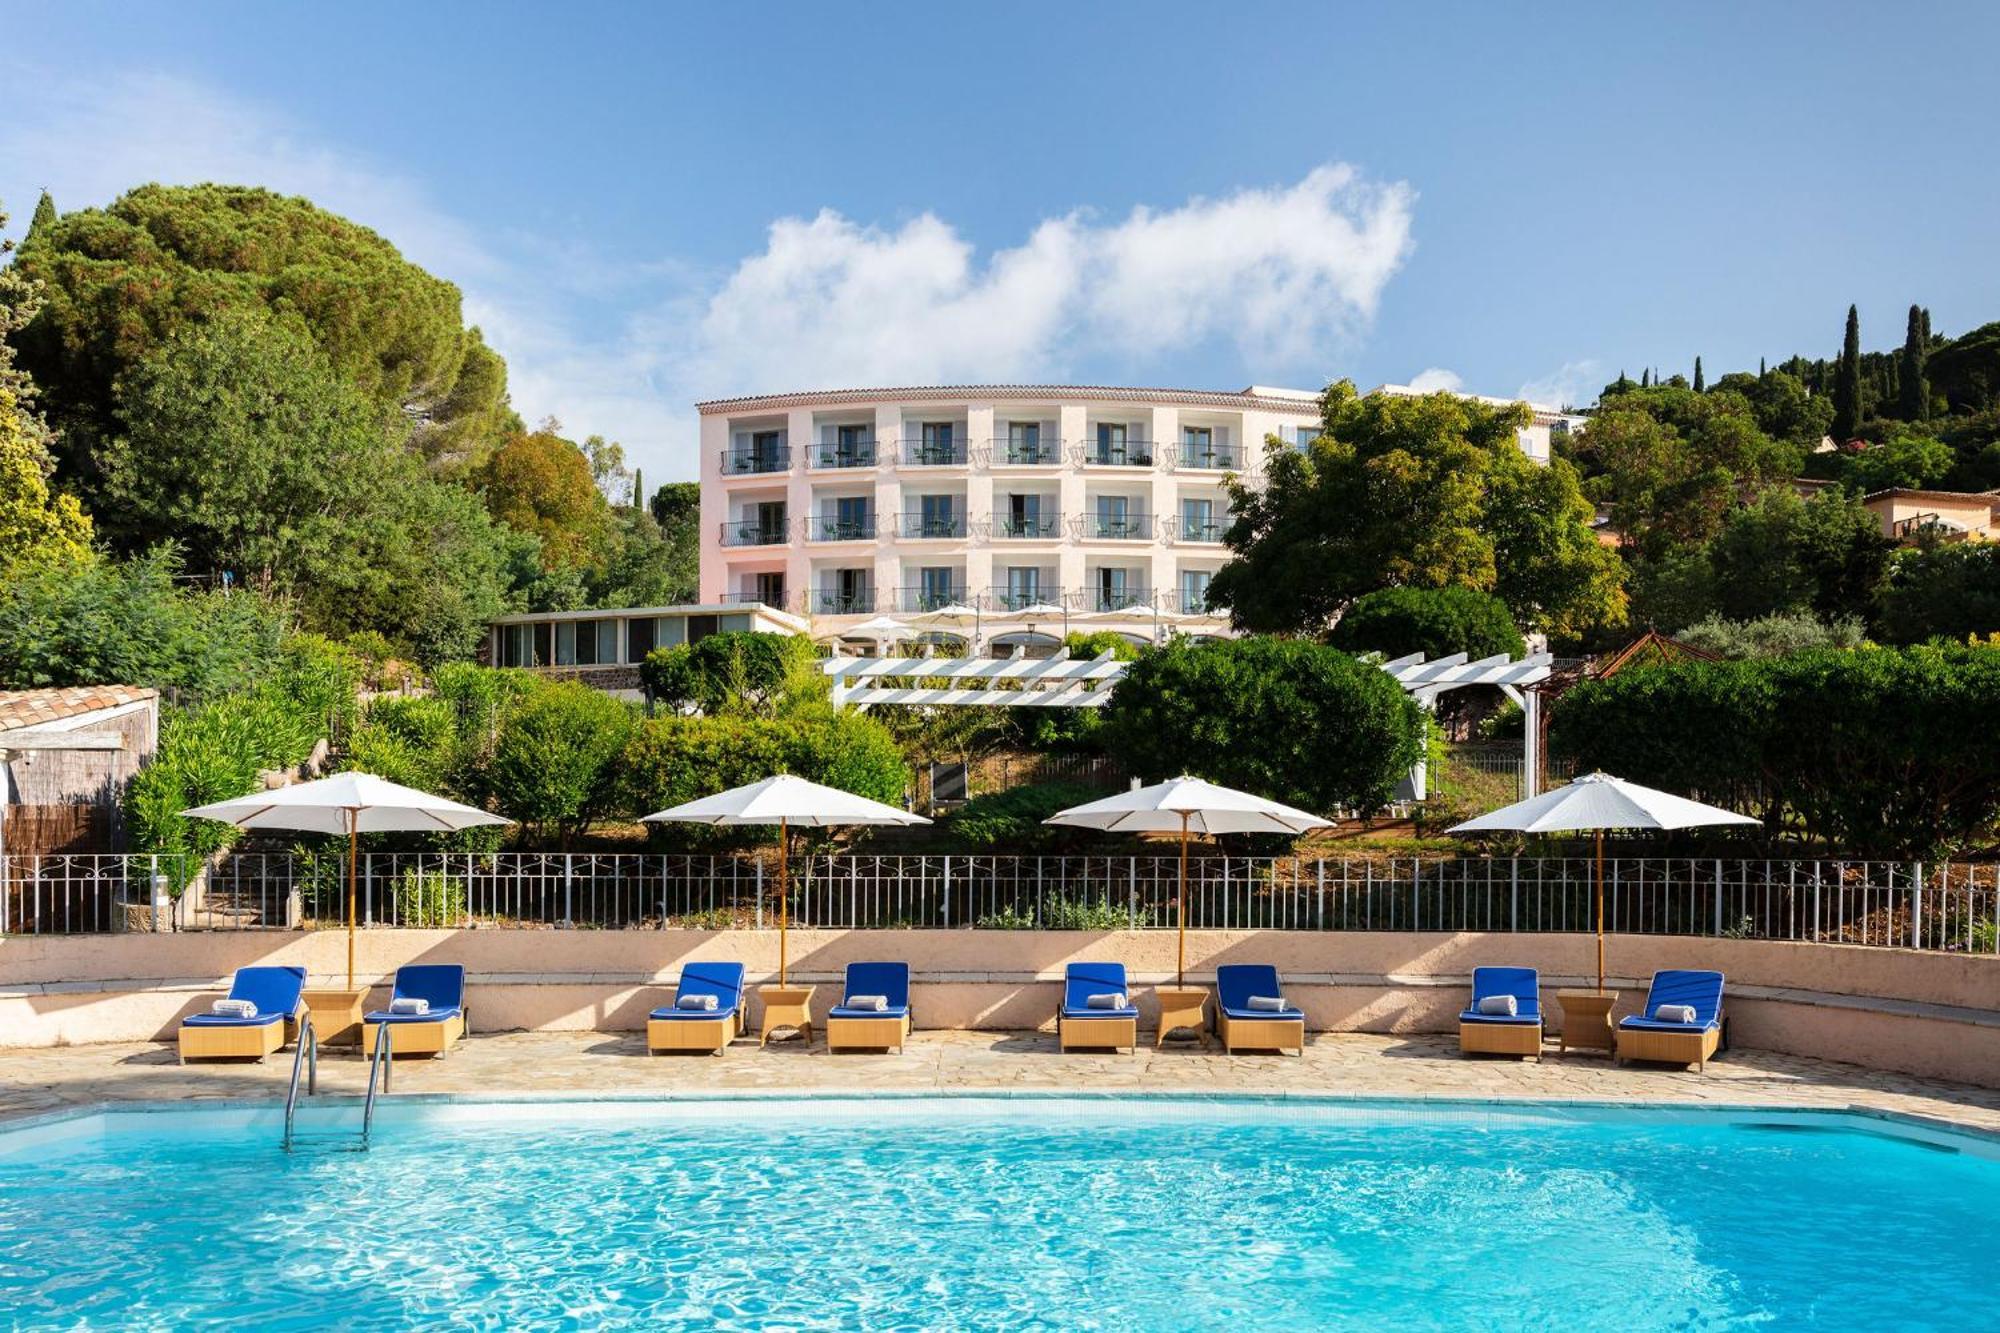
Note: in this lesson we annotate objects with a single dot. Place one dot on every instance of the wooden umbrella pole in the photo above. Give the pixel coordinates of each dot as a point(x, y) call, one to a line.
point(784, 841)
point(1600, 911)
point(353, 838)
point(1180, 909)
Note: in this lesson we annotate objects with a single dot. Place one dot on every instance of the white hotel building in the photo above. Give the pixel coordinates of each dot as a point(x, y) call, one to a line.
point(1099, 508)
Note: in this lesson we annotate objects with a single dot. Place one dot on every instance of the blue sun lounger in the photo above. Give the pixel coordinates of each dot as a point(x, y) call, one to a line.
point(1646, 1036)
point(432, 1032)
point(1241, 1026)
point(1078, 1025)
point(1501, 1034)
point(672, 1027)
point(877, 1029)
point(278, 994)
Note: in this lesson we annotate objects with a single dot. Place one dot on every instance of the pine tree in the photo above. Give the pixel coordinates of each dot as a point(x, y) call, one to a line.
point(1700, 384)
point(45, 216)
point(1847, 381)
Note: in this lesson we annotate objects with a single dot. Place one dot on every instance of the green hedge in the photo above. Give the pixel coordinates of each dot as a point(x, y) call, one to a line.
point(1874, 752)
point(1012, 820)
point(1436, 622)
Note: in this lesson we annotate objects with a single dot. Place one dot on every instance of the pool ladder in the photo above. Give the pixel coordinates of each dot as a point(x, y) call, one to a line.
point(306, 1058)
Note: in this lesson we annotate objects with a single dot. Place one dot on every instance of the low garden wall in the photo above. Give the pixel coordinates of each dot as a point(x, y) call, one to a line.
point(1926, 1013)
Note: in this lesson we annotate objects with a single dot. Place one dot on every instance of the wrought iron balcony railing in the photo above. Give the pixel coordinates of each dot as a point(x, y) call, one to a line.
point(1118, 527)
point(934, 453)
point(1208, 458)
point(828, 528)
point(738, 462)
point(828, 602)
point(1131, 453)
point(1023, 453)
point(858, 453)
point(1020, 599)
point(930, 598)
point(756, 532)
point(1026, 528)
point(1208, 532)
point(931, 526)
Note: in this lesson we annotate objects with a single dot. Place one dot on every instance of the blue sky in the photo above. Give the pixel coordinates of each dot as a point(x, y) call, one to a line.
point(650, 204)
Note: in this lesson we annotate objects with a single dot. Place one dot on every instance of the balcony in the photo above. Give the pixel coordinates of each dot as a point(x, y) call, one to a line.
point(833, 457)
point(832, 528)
point(929, 599)
point(1204, 532)
point(1208, 458)
point(1118, 527)
point(755, 532)
point(1130, 453)
point(830, 602)
point(1020, 599)
point(750, 462)
point(1023, 453)
point(1188, 602)
point(1026, 528)
point(1116, 599)
point(756, 599)
point(931, 527)
point(934, 453)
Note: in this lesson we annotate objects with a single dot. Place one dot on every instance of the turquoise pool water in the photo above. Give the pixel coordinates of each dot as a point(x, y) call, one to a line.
point(1131, 1215)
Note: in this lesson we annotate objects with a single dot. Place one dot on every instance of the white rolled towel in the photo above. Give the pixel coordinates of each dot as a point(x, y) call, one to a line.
point(702, 1002)
point(409, 1004)
point(1674, 1013)
point(1267, 1004)
point(1113, 1000)
point(1499, 1006)
point(234, 1008)
point(878, 1003)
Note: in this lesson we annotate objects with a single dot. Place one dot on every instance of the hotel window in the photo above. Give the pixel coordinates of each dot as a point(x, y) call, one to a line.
point(770, 521)
point(517, 646)
point(1024, 441)
point(1024, 516)
point(1197, 447)
point(1303, 437)
point(586, 643)
point(1113, 588)
point(1024, 585)
point(937, 443)
point(767, 450)
point(936, 586)
point(854, 446)
point(1194, 590)
point(1110, 442)
point(640, 635)
point(770, 589)
point(937, 516)
point(1114, 517)
point(1198, 521)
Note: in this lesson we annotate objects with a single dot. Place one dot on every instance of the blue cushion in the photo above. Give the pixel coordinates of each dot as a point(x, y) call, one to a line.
point(1655, 1025)
point(722, 980)
point(722, 1010)
point(1235, 983)
point(436, 1015)
point(889, 980)
point(443, 984)
point(1703, 990)
point(1518, 1020)
point(1083, 980)
point(229, 1021)
point(276, 991)
point(1523, 983)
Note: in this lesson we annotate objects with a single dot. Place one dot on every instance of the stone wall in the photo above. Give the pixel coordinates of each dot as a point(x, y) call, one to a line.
point(1936, 1015)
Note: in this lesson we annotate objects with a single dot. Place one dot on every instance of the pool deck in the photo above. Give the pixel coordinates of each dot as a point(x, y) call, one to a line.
point(584, 1064)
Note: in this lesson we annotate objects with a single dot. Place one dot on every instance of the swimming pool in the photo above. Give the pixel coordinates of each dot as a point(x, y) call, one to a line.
point(1019, 1212)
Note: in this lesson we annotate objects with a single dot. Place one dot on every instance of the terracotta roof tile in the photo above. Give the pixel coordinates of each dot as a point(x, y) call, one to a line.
point(37, 708)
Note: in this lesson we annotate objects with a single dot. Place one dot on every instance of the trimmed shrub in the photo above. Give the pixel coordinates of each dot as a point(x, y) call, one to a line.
point(1288, 719)
point(743, 671)
point(1771, 636)
point(1012, 820)
point(1943, 592)
point(555, 762)
point(1436, 622)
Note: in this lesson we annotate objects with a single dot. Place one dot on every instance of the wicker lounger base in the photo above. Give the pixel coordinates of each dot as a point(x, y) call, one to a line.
point(709, 1035)
point(1500, 1039)
point(202, 1042)
point(1261, 1034)
point(416, 1038)
point(1679, 1048)
point(1080, 1033)
point(875, 1034)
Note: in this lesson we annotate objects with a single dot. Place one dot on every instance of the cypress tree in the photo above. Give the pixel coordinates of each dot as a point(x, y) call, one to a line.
point(1700, 384)
point(1847, 381)
point(638, 488)
point(1761, 372)
point(45, 216)
point(1646, 378)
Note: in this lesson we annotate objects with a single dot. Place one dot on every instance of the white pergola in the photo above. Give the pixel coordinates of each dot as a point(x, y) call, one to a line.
point(1062, 681)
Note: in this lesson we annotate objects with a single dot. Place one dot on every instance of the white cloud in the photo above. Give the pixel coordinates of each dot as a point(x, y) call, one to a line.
point(1288, 276)
point(1437, 379)
point(1575, 385)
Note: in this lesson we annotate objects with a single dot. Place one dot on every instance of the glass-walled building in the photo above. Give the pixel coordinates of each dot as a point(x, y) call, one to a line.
point(606, 647)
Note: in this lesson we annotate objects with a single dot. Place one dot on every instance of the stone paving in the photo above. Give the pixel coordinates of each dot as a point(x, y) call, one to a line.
point(589, 1063)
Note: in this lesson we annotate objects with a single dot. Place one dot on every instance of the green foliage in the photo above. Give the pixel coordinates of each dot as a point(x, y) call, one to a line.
point(121, 280)
point(1061, 912)
point(555, 764)
point(36, 524)
point(1966, 371)
point(1872, 751)
point(1436, 622)
point(1082, 646)
point(1013, 819)
point(1903, 458)
point(745, 671)
point(1294, 721)
point(1431, 491)
point(672, 760)
point(1782, 554)
point(1944, 591)
point(429, 899)
point(412, 741)
point(541, 483)
point(216, 751)
point(1848, 406)
point(1772, 635)
point(98, 621)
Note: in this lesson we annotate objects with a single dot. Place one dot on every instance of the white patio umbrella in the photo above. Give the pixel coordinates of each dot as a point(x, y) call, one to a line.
point(880, 627)
point(1596, 802)
point(350, 803)
point(956, 612)
point(1191, 806)
point(784, 800)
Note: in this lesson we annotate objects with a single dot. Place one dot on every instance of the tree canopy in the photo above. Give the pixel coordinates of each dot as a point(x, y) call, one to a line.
point(1426, 491)
point(1436, 622)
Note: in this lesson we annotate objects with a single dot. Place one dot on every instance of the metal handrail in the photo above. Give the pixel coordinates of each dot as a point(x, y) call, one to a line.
point(384, 1043)
point(307, 1054)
